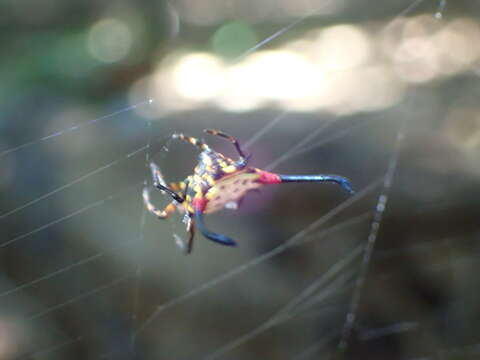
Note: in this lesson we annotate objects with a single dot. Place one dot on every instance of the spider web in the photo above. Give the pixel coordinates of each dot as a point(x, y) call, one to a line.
point(330, 282)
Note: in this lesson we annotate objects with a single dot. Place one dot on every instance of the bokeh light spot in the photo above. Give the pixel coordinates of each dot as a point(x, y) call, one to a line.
point(343, 47)
point(416, 60)
point(198, 76)
point(282, 75)
point(239, 94)
point(109, 40)
point(232, 39)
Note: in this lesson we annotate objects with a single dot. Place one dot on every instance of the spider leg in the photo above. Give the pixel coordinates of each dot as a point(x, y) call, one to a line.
point(191, 235)
point(232, 139)
point(218, 238)
point(160, 184)
point(156, 174)
point(193, 141)
point(161, 214)
point(340, 180)
point(243, 158)
point(185, 190)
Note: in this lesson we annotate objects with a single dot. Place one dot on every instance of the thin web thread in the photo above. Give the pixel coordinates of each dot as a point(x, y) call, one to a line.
point(143, 219)
point(269, 126)
point(50, 350)
point(293, 151)
point(272, 37)
point(287, 312)
point(72, 266)
point(81, 178)
point(304, 148)
point(372, 237)
point(280, 32)
point(275, 321)
point(73, 182)
point(68, 216)
point(399, 327)
point(79, 211)
point(82, 296)
point(75, 127)
point(337, 135)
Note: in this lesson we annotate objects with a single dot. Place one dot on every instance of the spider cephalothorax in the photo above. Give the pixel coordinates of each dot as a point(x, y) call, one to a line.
point(218, 182)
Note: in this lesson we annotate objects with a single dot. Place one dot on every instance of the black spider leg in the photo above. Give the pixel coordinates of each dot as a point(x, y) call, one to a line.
point(243, 160)
point(187, 183)
point(160, 184)
point(218, 238)
point(157, 180)
point(340, 180)
point(188, 245)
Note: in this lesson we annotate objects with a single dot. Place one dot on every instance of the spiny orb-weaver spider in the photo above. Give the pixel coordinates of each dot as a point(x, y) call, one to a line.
point(218, 182)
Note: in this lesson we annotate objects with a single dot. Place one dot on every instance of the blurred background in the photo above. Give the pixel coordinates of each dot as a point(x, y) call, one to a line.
point(90, 91)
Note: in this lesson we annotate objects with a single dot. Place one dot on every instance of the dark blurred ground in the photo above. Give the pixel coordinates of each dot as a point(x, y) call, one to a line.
point(80, 273)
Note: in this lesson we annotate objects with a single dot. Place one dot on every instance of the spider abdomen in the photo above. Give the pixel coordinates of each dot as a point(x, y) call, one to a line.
point(229, 190)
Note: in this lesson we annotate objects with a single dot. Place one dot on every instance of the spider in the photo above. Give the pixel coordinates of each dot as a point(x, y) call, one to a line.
point(218, 182)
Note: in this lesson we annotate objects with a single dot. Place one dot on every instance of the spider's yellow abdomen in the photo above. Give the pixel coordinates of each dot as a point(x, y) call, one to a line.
point(229, 190)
